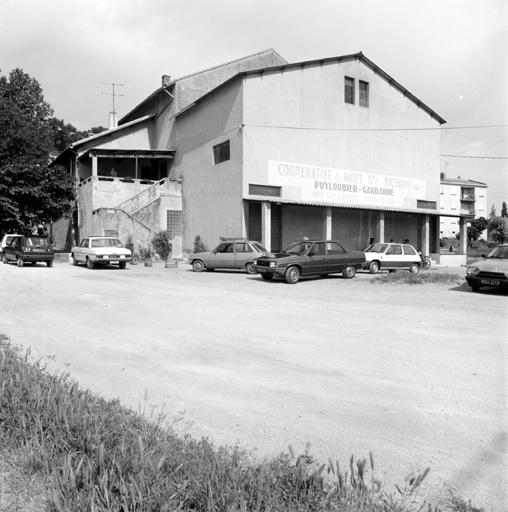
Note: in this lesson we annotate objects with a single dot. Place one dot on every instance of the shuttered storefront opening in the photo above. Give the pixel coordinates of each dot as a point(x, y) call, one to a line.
point(255, 231)
point(254, 221)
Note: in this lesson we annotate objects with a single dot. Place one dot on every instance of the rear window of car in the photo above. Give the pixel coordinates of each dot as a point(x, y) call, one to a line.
point(242, 247)
point(36, 240)
point(334, 248)
point(408, 249)
point(106, 242)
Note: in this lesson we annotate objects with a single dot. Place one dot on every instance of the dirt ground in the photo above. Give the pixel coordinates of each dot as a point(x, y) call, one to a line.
point(415, 374)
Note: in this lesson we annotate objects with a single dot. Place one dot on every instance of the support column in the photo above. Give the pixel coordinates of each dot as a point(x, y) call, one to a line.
point(245, 216)
point(328, 224)
point(380, 228)
point(94, 166)
point(266, 225)
point(463, 235)
point(136, 168)
point(425, 235)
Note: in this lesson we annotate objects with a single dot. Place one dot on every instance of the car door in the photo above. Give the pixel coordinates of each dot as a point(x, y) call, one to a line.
point(13, 249)
point(316, 260)
point(80, 252)
point(244, 254)
point(337, 257)
point(393, 257)
point(223, 256)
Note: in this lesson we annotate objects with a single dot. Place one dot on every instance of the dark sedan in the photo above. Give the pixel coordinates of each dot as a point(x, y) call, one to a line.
point(310, 257)
point(29, 249)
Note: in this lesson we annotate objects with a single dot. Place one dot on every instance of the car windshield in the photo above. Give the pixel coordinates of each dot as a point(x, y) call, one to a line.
point(106, 242)
point(36, 240)
point(297, 248)
point(259, 247)
point(499, 252)
point(377, 248)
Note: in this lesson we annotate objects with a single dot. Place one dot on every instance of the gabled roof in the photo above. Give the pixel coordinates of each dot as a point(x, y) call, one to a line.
point(354, 56)
point(460, 181)
point(173, 82)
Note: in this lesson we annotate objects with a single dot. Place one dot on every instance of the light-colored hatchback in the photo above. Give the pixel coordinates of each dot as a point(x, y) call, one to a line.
point(391, 256)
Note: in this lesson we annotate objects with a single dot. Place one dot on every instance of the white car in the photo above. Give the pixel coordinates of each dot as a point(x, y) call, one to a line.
point(6, 240)
point(390, 256)
point(100, 250)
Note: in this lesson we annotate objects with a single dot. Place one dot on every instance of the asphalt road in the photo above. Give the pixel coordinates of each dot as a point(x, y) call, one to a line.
point(415, 374)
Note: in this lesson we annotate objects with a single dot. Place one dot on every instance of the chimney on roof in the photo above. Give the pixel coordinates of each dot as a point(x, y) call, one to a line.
point(166, 79)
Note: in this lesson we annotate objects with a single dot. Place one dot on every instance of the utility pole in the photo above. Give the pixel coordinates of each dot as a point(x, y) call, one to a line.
point(113, 121)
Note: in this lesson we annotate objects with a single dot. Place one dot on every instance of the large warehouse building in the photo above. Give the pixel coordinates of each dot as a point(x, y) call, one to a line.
point(272, 151)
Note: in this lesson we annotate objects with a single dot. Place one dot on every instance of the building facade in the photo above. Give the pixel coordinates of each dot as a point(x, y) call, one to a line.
point(259, 148)
point(461, 197)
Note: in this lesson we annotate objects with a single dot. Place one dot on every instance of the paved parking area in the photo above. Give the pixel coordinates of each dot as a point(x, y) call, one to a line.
point(415, 374)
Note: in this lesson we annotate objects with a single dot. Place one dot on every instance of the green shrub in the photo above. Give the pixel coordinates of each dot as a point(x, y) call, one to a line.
point(404, 277)
point(162, 244)
point(97, 455)
point(129, 244)
point(145, 254)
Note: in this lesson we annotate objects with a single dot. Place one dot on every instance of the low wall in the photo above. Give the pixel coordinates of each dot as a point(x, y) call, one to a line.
point(449, 260)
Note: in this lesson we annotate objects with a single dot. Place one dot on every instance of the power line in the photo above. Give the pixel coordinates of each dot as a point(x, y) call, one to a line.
point(378, 129)
point(485, 157)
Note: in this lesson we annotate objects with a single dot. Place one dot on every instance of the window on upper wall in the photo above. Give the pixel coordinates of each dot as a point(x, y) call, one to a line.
point(349, 90)
point(221, 152)
point(364, 94)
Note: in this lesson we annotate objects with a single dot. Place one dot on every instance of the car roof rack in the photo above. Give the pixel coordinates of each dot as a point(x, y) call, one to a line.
point(232, 239)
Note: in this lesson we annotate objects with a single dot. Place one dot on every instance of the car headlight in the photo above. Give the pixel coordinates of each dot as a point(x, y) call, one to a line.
point(273, 263)
point(255, 262)
point(472, 271)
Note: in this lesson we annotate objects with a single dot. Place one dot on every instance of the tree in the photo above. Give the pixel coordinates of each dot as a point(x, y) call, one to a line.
point(492, 212)
point(162, 244)
point(476, 229)
point(31, 193)
point(504, 211)
point(63, 134)
point(498, 229)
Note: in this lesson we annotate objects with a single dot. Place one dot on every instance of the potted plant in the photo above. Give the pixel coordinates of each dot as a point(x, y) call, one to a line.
point(146, 255)
point(163, 246)
point(129, 244)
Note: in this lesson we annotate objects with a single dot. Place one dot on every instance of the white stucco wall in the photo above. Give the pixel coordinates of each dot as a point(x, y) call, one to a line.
point(333, 134)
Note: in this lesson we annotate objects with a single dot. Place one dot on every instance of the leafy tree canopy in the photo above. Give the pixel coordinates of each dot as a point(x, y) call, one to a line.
point(498, 229)
point(63, 134)
point(476, 229)
point(31, 193)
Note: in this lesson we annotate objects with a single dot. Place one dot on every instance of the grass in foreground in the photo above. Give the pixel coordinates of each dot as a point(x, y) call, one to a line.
point(79, 452)
point(404, 277)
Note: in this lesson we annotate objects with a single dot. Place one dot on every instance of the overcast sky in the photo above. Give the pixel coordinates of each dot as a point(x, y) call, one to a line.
point(451, 54)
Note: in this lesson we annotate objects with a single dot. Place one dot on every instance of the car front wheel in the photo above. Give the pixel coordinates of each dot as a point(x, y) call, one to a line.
point(4, 258)
point(292, 275)
point(49, 263)
point(250, 268)
point(89, 263)
point(20, 262)
point(374, 267)
point(74, 261)
point(267, 277)
point(475, 288)
point(198, 266)
point(349, 272)
point(414, 268)
point(122, 264)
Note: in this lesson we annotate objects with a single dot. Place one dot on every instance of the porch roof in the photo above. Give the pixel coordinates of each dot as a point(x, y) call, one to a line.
point(128, 153)
point(357, 207)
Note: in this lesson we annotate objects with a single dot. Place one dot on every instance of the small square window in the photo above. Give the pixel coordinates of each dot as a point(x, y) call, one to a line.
point(349, 90)
point(221, 152)
point(364, 94)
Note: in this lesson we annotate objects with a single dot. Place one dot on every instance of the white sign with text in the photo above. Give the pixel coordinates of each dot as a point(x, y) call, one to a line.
point(345, 187)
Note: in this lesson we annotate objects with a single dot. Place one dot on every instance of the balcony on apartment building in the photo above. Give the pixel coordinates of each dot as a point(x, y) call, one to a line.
point(467, 194)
